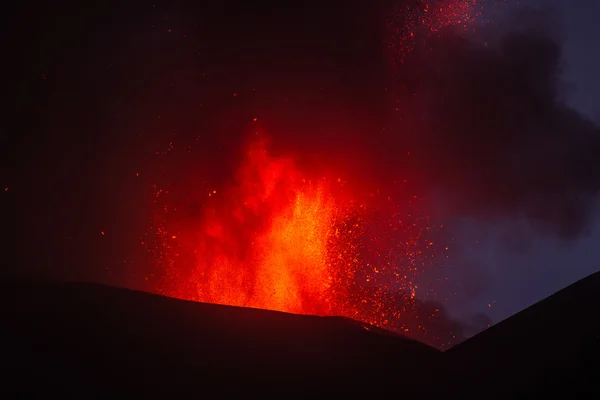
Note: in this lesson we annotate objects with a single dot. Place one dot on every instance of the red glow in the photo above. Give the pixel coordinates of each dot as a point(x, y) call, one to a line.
point(268, 248)
point(278, 240)
point(282, 238)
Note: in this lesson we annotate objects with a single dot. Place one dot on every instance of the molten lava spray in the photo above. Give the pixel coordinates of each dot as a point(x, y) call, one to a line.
point(281, 240)
point(267, 246)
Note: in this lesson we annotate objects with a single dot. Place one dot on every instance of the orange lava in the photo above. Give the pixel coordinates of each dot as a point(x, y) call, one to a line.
point(268, 247)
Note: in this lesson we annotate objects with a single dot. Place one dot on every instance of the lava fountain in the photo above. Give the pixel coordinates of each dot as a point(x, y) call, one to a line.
point(279, 239)
point(267, 246)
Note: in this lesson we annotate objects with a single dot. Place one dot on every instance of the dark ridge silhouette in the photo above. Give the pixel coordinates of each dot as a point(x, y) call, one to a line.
point(79, 338)
point(73, 336)
point(554, 343)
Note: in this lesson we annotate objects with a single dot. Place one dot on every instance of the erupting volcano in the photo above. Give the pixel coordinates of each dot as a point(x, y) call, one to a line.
point(408, 165)
point(289, 236)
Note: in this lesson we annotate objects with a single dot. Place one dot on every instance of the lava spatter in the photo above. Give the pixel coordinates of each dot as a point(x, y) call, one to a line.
point(277, 239)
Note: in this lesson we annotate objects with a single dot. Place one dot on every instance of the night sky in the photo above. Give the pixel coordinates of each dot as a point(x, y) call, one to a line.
point(95, 93)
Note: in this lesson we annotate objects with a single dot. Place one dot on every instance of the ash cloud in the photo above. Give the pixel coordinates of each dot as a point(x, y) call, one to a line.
point(490, 131)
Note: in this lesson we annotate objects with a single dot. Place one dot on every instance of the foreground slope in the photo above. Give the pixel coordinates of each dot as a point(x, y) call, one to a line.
point(92, 337)
point(554, 344)
point(69, 336)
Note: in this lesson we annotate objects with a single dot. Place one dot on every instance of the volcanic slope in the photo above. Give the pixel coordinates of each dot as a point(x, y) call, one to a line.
point(83, 337)
point(91, 337)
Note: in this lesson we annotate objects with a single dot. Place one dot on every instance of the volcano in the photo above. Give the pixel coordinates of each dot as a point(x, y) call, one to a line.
point(83, 338)
point(86, 336)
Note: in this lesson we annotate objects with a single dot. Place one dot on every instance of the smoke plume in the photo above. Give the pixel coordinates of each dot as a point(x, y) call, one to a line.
point(494, 135)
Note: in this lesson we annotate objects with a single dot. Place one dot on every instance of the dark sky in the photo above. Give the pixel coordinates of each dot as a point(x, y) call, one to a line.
point(98, 90)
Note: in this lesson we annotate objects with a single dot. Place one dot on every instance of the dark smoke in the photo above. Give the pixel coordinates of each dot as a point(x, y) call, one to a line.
point(426, 320)
point(435, 327)
point(496, 136)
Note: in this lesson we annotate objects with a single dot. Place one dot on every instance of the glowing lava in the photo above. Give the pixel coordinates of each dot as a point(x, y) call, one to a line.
point(281, 241)
point(267, 245)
